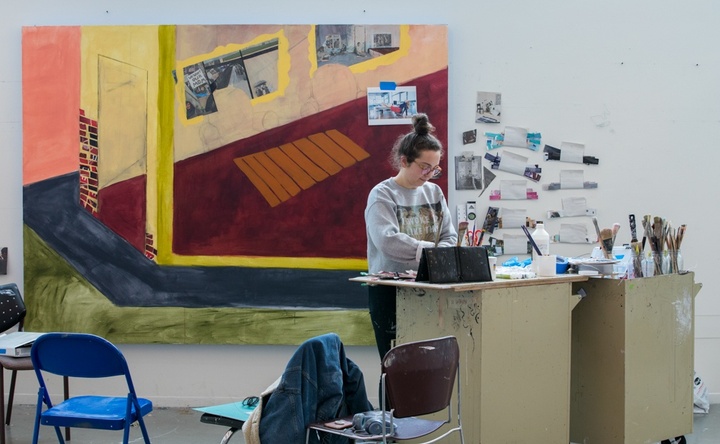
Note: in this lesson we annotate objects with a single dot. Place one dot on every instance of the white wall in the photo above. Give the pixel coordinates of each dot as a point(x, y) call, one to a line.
point(647, 70)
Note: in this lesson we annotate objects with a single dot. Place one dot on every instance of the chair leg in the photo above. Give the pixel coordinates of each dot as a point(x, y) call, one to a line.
point(11, 397)
point(59, 435)
point(2, 405)
point(66, 393)
point(226, 437)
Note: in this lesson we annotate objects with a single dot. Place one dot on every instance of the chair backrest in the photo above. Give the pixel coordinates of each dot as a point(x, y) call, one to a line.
point(12, 307)
point(420, 376)
point(79, 355)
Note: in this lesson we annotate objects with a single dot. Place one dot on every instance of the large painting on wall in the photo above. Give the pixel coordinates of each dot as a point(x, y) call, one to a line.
point(206, 184)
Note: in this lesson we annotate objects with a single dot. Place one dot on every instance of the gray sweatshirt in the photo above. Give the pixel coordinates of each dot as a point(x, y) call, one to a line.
point(400, 222)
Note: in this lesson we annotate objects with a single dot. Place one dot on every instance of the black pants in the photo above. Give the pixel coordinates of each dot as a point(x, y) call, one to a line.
point(381, 301)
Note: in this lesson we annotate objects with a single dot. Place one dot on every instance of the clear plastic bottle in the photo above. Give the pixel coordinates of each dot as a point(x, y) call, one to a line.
point(675, 260)
point(667, 266)
point(542, 240)
point(680, 261)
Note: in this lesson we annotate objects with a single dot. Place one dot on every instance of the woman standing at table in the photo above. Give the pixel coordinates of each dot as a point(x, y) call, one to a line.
point(405, 214)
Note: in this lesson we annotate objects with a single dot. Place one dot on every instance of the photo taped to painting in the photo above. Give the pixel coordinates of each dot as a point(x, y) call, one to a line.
point(391, 106)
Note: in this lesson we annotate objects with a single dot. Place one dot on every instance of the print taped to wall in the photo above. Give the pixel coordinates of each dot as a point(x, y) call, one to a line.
point(391, 106)
point(206, 184)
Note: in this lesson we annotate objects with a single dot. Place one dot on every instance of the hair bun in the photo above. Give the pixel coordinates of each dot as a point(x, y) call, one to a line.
point(422, 124)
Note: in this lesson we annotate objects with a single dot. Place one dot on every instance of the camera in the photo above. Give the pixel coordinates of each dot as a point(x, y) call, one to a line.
point(372, 423)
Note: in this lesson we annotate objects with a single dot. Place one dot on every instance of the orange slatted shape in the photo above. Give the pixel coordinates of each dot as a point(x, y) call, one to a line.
point(280, 173)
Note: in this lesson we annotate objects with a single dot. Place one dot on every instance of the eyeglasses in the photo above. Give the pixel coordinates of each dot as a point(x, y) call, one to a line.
point(250, 401)
point(426, 169)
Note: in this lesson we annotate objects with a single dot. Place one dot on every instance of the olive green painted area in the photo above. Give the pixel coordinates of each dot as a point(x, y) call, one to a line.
point(58, 298)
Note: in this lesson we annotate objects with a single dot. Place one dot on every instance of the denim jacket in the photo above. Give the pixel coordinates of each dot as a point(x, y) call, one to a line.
point(319, 383)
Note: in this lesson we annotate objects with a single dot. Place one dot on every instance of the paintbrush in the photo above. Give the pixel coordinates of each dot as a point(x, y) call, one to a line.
point(633, 228)
point(680, 235)
point(678, 241)
point(670, 239)
point(439, 229)
point(658, 229)
point(532, 241)
point(635, 247)
point(637, 258)
point(462, 229)
point(672, 249)
point(597, 228)
point(615, 229)
point(606, 242)
point(647, 228)
point(657, 242)
point(480, 238)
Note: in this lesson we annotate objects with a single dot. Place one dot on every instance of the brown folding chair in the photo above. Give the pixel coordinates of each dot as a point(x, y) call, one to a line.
point(12, 313)
point(417, 380)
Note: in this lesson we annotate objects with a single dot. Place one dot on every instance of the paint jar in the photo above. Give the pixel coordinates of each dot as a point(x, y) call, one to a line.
point(637, 269)
point(493, 265)
point(674, 261)
point(546, 265)
point(657, 258)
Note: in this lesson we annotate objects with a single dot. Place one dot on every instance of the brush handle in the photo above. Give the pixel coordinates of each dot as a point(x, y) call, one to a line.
point(633, 228)
point(606, 242)
point(462, 229)
point(532, 241)
point(597, 228)
point(607, 245)
point(439, 229)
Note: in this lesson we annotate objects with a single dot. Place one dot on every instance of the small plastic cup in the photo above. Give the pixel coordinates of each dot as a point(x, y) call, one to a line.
point(493, 264)
point(545, 266)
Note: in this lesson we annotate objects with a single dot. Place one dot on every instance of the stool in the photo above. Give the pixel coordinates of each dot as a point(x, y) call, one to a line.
point(234, 424)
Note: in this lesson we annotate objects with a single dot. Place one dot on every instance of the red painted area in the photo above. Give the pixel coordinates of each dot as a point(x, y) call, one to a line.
point(122, 209)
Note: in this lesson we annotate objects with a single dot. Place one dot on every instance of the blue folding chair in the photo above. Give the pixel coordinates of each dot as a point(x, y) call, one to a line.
point(80, 355)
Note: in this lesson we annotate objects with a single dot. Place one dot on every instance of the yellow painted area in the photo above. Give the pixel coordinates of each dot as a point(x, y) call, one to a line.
point(133, 47)
point(313, 263)
point(312, 54)
point(164, 169)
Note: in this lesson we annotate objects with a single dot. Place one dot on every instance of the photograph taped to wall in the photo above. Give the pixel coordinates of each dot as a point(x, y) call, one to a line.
point(471, 175)
point(469, 136)
point(488, 108)
point(391, 106)
point(3, 260)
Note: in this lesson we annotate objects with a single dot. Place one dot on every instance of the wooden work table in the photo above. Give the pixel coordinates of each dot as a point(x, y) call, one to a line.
point(514, 338)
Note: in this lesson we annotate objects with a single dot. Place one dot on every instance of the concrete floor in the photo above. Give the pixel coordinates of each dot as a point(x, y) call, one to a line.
point(706, 427)
point(183, 426)
point(165, 426)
